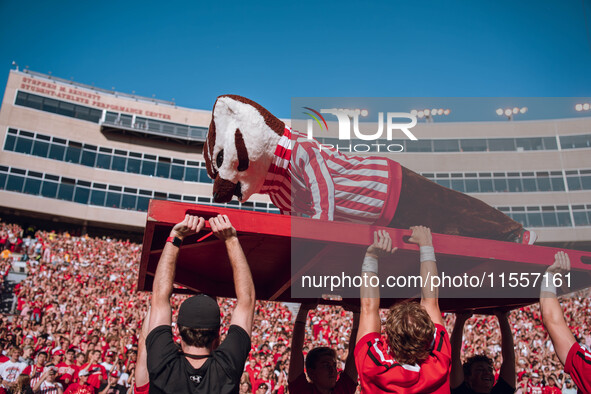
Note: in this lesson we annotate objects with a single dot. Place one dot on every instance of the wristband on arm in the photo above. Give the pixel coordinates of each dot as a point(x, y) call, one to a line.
point(370, 264)
point(548, 284)
point(427, 253)
point(176, 241)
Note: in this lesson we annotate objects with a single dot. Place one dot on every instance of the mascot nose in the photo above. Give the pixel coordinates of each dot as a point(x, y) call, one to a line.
point(224, 190)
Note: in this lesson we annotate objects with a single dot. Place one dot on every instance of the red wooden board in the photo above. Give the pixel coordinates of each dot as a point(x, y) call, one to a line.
point(281, 250)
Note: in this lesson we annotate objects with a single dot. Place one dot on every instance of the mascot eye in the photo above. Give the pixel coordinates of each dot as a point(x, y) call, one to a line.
point(219, 160)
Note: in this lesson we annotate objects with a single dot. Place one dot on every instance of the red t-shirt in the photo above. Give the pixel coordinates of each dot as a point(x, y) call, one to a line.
point(301, 385)
point(66, 372)
point(79, 388)
point(578, 366)
point(145, 389)
point(96, 372)
point(379, 372)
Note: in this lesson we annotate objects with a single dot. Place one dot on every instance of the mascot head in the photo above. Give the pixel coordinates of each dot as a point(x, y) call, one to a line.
point(240, 146)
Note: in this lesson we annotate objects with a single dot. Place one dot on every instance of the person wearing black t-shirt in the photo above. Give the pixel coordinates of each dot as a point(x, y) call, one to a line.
point(477, 374)
point(200, 365)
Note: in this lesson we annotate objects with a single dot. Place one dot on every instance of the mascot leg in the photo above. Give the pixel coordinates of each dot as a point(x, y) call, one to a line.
point(445, 211)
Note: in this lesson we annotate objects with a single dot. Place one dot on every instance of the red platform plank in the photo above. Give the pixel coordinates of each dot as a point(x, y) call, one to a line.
point(281, 250)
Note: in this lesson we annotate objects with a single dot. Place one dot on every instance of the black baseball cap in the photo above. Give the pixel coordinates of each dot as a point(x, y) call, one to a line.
point(199, 311)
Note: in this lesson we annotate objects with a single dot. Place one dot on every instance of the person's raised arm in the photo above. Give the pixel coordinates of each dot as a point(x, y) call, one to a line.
point(141, 367)
point(456, 376)
point(350, 368)
point(243, 313)
point(429, 294)
point(369, 317)
point(552, 314)
point(161, 313)
point(296, 360)
point(507, 349)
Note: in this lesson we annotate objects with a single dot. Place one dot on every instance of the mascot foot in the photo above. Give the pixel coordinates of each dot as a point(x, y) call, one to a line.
point(527, 237)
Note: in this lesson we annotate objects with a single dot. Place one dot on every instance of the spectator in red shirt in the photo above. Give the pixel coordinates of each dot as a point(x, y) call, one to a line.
point(417, 357)
point(82, 386)
point(97, 373)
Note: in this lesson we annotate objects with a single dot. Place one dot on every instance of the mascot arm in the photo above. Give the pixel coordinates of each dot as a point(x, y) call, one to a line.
point(318, 179)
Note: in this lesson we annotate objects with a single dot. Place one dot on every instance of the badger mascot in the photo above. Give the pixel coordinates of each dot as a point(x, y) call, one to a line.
point(248, 151)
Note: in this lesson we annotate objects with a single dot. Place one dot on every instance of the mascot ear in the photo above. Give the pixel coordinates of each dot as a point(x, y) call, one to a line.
point(208, 150)
point(231, 107)
point(241, 151)
point(224, 107)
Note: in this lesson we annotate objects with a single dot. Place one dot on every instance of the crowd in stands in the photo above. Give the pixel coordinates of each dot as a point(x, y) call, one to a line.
point(77, 317)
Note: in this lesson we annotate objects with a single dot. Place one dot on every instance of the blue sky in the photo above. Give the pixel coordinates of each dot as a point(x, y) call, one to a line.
point(273, 51)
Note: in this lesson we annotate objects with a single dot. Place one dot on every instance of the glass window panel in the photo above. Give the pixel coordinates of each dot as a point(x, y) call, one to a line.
point(443, 182)
point(66, 191)
point(73, 154)
point(473, 145)
point(564, 219)
point(23, 145)
point(501, 144)
point(66, 109)
point(580, 218)
point(446, 145)
point(34, 101)
point(56, 151)
point(163, 169)
point(458, 185)
point(586, 182)
point(142, 203)
point(95, 115)
point(575, 141)
point(419, 146)
point(574, 182)
point(21, 98)
point(32, 186)
point(529, 184)
point(128, 201)
point(50, 105)
point(88, 158)
point(3, 177)
point(103, 161)
point(500, 185)
point(557, 184)
point(40, 148)
point(520, 217)
point(15, 183)
point(97, 197)
point(203, 177)
point(515, 185)
point(118, 163)
point(176, 172)
point(81, 195)
point(472, 186)
point(148, 167)
point(10, 142)
point(191, 174)
point(113, 199)
point(550, 143)
point(549, 219)
point(49, 189)
point(133, 165)
point(534, 219)
point(544, 184)
point(486, 185)
point(530, 143)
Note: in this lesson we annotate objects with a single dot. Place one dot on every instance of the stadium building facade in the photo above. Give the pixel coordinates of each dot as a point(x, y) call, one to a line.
point(94, 157)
